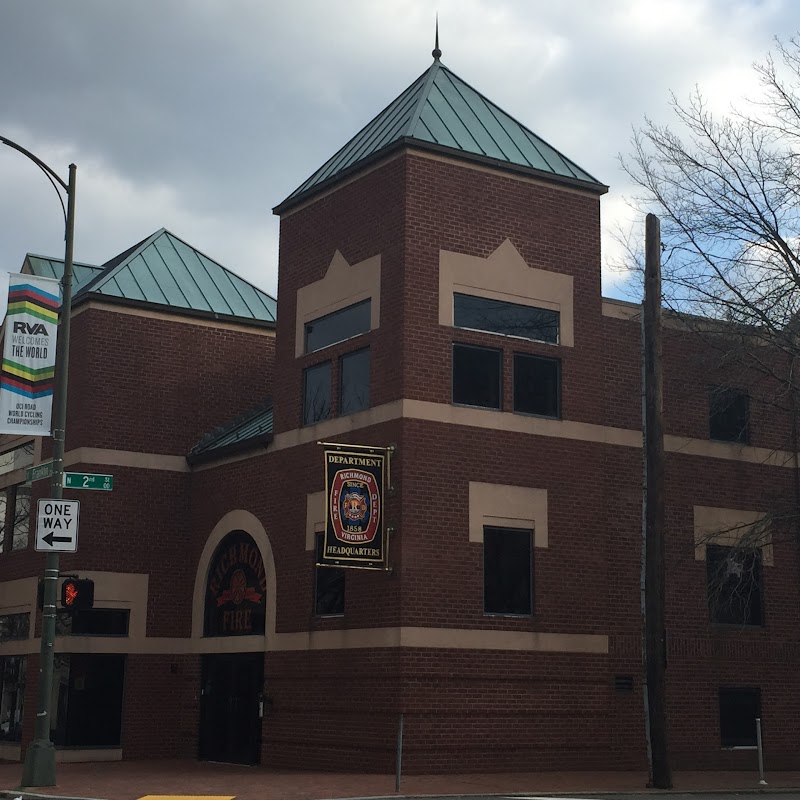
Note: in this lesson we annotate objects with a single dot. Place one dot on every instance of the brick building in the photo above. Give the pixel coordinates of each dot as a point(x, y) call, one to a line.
point(439, 290)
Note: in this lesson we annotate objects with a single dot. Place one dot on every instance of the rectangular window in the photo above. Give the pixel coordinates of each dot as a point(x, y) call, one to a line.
point(734, 585)
point(507, 571)
point(338, 326)
point(354, 378)
point(21, 520)
point(93, 622)
point(17, 458)
point(729, 415)
point(537, 385)
point(477, 376)
point(87, 707)
point(14, 626)
point(317, 393)
point(738, 710)
point(328, 586)
point(12, 697)
point(509, 319)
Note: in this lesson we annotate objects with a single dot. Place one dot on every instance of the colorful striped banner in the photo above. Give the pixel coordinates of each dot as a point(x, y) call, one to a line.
point(29, 355)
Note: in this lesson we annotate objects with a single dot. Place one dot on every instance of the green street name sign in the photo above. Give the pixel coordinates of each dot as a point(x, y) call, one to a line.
point(39, 472)
point(85, 480)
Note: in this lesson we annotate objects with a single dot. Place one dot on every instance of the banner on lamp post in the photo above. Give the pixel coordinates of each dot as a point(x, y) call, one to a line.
point(29, 355)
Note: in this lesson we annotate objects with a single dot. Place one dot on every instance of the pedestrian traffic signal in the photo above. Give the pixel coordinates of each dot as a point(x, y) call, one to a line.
point(77, 593)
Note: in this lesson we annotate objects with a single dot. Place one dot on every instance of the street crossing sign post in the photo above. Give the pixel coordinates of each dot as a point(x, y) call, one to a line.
point(57, 526)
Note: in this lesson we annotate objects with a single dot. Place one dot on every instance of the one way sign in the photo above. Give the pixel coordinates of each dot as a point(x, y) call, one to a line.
point(57, 526)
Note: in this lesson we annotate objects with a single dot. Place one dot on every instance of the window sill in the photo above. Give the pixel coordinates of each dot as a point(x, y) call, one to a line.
point(503, 615)
point(724, 627)
point(536, 416)
point(318, 617)
point(482, 408)
point(741, 747)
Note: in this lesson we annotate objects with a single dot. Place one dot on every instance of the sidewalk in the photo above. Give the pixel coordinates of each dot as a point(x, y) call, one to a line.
point(129, 780)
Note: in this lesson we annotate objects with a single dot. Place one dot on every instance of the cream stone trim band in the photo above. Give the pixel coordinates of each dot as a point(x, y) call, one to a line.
point(503, 506)
point(517, 423)
point(183, 319)
point(441, 639)
point(728, 526)
point(345, 639)
point(505, 276)
point(342, 286)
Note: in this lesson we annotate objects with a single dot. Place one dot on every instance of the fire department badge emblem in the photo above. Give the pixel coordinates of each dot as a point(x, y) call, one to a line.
point(355, 506)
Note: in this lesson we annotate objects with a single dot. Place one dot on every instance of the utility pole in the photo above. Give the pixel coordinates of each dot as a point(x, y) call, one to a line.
point(655, 641)
point(40, 758)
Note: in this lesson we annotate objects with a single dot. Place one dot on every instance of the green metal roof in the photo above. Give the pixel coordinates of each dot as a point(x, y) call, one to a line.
point(54, 268)
point(244, 432)
point(440, 111)
point(164, 270)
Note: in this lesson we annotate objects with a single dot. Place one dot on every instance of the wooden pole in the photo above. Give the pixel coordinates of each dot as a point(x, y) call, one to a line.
point(655, 630)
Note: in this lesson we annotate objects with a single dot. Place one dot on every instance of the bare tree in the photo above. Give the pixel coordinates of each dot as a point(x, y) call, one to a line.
point(727, 190)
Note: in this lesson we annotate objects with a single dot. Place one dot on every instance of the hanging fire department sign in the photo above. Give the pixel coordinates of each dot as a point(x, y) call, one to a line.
point(354, 491)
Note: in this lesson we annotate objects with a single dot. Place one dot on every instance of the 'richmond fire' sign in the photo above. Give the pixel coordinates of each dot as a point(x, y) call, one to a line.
point(354, 490)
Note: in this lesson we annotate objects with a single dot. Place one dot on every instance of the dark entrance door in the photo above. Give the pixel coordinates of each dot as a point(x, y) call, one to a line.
point(230, 722)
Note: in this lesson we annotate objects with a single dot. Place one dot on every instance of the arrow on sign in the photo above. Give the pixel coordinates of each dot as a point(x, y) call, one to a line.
point(50, 538)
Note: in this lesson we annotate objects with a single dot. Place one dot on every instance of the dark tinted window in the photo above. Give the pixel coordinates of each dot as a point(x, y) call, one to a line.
point(510, 319)
point(88, 707)
point(12, 697)
point(536, 385)
point(729, 415)
point(354, 376)
point(93, 622)
point(21, 519)
point(338, 326)
point(317, 393)
point(734, 585)
point(477, 376)
point(14, 626)
point(738, 710)
point(328, 587)
point(507, 571)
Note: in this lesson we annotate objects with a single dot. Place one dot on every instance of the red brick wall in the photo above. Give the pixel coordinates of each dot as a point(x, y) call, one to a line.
point(156, 386)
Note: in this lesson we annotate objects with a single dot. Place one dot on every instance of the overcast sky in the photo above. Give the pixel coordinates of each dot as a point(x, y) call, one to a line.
point(201, 115)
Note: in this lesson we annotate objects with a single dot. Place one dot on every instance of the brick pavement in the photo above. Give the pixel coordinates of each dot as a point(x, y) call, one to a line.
point(129, 780)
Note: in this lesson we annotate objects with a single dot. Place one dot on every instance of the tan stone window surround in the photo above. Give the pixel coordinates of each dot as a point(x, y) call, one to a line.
point(505, 276)
point(343, 285)
point(496, 505)
point(728, 526)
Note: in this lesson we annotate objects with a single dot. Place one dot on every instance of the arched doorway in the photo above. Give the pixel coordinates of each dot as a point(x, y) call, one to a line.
point(232, 682)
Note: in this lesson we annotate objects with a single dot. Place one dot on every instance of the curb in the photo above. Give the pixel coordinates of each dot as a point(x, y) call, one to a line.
point(12, 794)
point(534, 795)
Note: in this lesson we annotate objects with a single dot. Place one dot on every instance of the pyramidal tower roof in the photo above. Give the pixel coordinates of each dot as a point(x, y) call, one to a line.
point(163, 270)
point(441, 112)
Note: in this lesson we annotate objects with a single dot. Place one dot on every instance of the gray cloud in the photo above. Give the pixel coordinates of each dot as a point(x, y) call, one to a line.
point(200, 115)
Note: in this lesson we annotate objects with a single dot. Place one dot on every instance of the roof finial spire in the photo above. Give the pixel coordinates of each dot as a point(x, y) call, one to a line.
point(437, 53)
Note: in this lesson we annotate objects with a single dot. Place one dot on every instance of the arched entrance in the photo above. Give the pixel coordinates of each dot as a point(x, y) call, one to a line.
point(232, 682)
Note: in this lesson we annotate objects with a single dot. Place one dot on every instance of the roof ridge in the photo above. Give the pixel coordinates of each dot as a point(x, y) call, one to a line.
point(61, 260)
point(432, 72)
point(109, 269)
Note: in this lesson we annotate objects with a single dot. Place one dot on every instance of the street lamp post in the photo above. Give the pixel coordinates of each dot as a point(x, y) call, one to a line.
point(40, 758)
